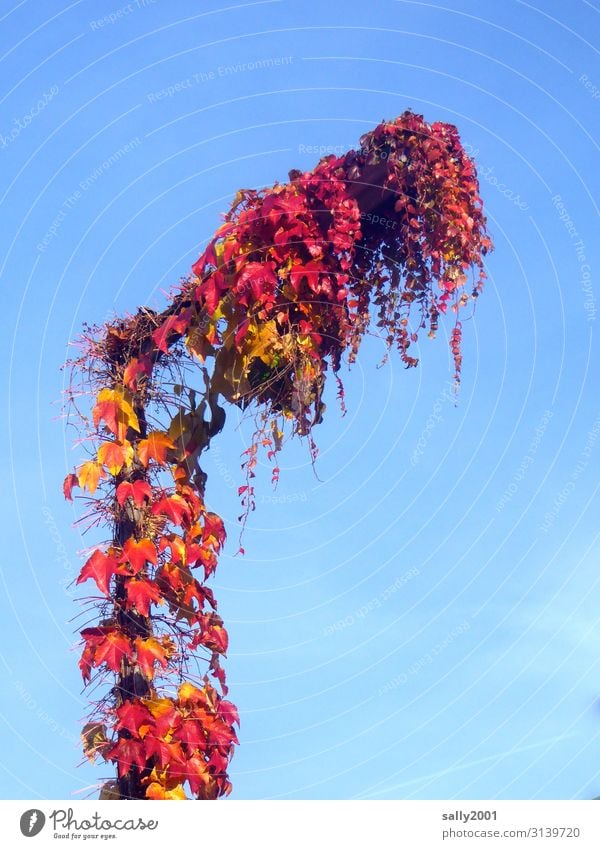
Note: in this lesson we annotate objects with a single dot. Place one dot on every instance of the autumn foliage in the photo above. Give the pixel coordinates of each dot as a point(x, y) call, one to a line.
point(292, 280)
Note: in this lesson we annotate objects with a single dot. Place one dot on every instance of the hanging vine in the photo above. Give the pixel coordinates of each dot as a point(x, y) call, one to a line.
point(287, 288)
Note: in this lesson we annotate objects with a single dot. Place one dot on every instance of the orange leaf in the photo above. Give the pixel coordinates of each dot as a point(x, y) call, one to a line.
point(213, 531)
point(138, 553)
point(166, 715)
point(155, 448)
point(147, 652)
point(115, 455)
point(134, 370)
point(177, 546)
point(197, 774)
point(89, 474)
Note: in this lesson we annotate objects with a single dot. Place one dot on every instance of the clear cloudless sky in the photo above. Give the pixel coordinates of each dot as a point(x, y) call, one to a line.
point(421, 620)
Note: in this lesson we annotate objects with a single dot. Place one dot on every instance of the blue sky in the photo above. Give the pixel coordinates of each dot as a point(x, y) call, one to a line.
point(422, 620)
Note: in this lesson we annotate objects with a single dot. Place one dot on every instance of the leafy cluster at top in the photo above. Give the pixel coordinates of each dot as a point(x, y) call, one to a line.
point(290, 278)
point(288, 285)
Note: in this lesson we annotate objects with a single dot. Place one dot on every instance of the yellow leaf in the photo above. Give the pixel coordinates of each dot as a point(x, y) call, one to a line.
point(187, 692)
point(260, 341)
point(114, 408)
point(89, 474)
point(157, 791)
point(158, 707)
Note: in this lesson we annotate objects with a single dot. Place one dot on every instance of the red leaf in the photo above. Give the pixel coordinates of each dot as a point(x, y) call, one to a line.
point(218, 762)
point(221, 735)
point(167, 754)
point(85, 663)
point(213, 635)
point(166, 716)
point(177, 546)
point(138, 491)
point(228, 712)
point(192, 734)
point(256, 283)
point(175, 324)
point(131, 716)
point(100, 568)
point(141, 594)
point(216, 638)
point(169, 578)
point(174, 507)
point(212, 290)
point(68, 484)
point(113, 648)
point(94, 636)
point(219, 674)
point(127, 753)
point(209, 561)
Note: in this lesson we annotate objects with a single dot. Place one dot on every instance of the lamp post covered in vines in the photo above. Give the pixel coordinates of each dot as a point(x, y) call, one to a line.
point(280, 298)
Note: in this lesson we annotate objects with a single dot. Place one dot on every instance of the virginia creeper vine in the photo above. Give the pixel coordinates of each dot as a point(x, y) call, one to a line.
point(292, 280)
